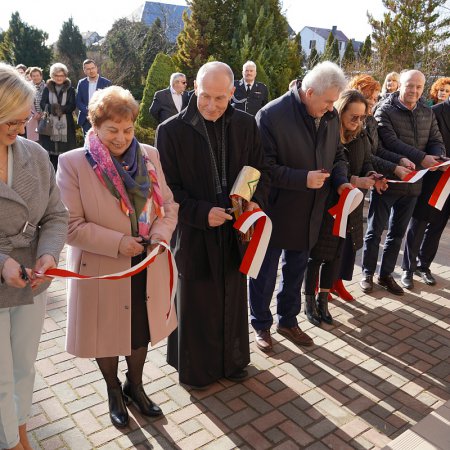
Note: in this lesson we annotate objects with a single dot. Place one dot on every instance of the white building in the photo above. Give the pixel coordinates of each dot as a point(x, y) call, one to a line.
point(313, 37)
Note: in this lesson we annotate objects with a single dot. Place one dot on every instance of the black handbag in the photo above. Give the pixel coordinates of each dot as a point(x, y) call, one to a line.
point(45, 126)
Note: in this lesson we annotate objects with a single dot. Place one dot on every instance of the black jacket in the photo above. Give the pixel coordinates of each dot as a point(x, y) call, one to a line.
point(250, 102)
point(423, 210)
point(186, 162)
point(293, 147)
point(358, 154)
point(411, 134)
point(163, 105)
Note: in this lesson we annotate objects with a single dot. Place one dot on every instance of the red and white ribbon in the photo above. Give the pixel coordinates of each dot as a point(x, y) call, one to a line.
point(257, 247)
point(67, 274)
point(348, 202)
point(416, 175)
point(441, 191)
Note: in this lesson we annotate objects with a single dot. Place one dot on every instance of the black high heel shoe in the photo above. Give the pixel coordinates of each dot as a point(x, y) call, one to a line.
point(118, 412)
point(135, 393)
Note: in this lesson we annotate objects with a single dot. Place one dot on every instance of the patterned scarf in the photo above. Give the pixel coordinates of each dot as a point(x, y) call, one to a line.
point(133, 181)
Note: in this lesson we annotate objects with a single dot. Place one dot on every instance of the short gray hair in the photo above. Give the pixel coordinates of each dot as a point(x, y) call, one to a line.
point(175, 76)
point(58, 67)
point(15, 92)
point(324, 76)
point(215, 66)
point(249, 63)
point(407, 74)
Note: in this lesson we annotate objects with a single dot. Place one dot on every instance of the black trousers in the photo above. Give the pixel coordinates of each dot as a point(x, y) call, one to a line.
point(422, 240)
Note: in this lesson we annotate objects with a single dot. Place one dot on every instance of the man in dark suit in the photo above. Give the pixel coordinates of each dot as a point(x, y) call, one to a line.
point(85, 89)
point(170, 101)
point(300, 135)
point(250, 95)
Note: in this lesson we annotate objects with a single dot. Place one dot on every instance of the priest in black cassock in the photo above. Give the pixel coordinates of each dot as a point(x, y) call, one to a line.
point(203, 149)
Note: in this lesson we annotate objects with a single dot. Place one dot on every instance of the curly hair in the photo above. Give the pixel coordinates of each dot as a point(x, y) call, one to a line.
point(438, 84)
point(364, 83)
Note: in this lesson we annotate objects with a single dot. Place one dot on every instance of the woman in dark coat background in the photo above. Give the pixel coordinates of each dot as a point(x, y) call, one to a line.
point(59, 99)
point(332, 253)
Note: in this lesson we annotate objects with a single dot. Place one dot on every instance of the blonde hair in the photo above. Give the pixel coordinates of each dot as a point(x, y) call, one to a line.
point(112, 103)
point(393, 76)
point(15, 92)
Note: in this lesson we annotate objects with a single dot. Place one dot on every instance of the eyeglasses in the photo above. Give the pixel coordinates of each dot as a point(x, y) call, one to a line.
point(356, 119)
point(18, 124)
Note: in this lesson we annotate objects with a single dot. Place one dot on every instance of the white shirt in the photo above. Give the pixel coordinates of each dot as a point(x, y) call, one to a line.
point(177, 98)
point(92, 87)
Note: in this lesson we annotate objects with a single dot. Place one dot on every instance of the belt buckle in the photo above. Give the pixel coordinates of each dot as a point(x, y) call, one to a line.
point(29, 229)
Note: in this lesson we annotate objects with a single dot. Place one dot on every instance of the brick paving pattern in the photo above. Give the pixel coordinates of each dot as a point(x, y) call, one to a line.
point(379, 370)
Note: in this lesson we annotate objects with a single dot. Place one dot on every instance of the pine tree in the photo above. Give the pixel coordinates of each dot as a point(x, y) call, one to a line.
point(331, 52)
point(155, 42)
point(349, 55)
point(71, 50)
point(24, 44)
point(408, 33)
point(365, 52)
point(295, 57)
point(157, 78)
point(124, 44)
point(313, 59)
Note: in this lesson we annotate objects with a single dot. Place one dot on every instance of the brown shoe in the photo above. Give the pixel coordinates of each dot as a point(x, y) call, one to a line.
point(296, 336)
point(263, 340)
point(390, 284)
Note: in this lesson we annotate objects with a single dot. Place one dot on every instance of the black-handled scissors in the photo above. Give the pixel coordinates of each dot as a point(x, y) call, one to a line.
point(24, 274)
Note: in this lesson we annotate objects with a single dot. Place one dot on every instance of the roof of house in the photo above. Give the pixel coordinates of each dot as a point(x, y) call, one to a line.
point(171, 16)
point(325, 32)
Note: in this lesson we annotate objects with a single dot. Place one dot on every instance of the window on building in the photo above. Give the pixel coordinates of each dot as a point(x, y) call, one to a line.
point(312, 44)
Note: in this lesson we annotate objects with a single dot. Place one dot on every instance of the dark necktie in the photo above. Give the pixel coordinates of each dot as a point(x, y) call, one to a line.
point(248, 89)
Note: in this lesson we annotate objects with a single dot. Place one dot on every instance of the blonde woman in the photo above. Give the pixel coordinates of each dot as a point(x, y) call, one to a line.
point(33, 227)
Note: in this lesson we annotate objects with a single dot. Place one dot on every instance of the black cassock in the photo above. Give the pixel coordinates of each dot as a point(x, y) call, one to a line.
point(212, 336)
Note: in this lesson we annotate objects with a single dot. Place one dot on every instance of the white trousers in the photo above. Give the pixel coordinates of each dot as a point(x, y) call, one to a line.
point(20, 332)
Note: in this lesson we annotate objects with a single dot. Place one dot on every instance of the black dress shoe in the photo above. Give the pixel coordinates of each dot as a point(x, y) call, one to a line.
point(426, 276)
point(311, 311)
point(238, 376)
point(136, 394)
point(366, 283)
point(322, 300)
point(407, 279)
point(390, 284)
point(117, 409)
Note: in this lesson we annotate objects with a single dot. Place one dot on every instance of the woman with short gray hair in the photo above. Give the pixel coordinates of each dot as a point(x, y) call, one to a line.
point(33, 227)
point(59, 100)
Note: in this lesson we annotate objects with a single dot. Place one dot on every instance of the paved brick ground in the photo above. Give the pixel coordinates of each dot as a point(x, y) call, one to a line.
point(382, 368)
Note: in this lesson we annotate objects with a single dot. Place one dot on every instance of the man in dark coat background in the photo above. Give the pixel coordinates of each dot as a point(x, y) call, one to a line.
point(408, 127)
point(170, 101)
point(250, 95)
point(300, 134)
point(428, 223)
point(202, 151)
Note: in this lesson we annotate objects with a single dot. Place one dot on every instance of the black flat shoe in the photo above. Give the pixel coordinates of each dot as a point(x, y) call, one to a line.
point(240, 375)
point(136, 394)
point(118, 412)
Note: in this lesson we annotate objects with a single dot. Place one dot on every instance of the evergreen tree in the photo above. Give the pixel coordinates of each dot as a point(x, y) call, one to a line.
point(155, 42)
point(331, 52)
point(71, 50)
point(349, 55)
point(157, 78)
point(365, 52)
point(313, 59)
point(124, 44)
point(295, 57)
point(408, 33)
point(24, 44)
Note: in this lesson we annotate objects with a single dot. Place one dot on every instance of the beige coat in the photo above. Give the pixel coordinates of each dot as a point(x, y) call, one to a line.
point(99, 312)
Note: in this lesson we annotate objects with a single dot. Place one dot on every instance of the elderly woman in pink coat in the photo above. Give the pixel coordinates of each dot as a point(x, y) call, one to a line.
point(120, 208)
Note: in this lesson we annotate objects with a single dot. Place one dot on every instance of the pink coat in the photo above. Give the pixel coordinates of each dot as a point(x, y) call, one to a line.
point(99, 312)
